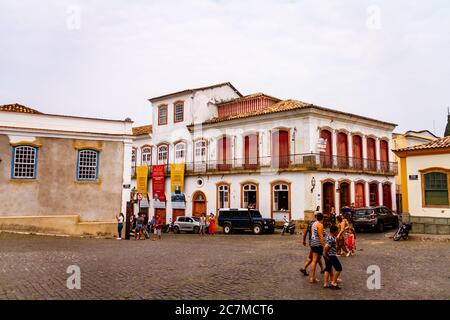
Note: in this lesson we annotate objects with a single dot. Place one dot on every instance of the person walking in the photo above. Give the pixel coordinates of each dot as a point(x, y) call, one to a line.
point(307, 233)
point(158, 228)
point(332, 216)
point(317, 245)
point(341, 237)
point(212, 224)
point(120, 218)
point(202, 225)
point(331, 261)
point(139, 225)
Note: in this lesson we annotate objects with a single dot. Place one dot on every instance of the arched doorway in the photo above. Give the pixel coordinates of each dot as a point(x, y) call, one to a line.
point(360, 195)
point(357, 152)
point(327, 198)
point(198, 204)
point(251, 145)
point(371, 154)
point(373, 194)
point(344, 195)
point(387, 195)
point(384, 156)
point(224, 155)
point(342, 150)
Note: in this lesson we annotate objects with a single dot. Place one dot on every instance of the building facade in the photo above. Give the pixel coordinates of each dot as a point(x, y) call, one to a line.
point(284, 157)
point(62, 174)
point(425, 186)
point(405, 140)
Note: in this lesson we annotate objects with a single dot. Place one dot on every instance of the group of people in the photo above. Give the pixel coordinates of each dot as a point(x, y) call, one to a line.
point(141, 225)
point(340, 241)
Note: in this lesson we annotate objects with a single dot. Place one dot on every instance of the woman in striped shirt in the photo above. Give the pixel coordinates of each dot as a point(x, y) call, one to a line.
point(317, 244)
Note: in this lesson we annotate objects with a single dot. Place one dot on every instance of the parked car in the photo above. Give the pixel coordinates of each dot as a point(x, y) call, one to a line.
point(187, 224)
point(245, 219)
point(377, 218)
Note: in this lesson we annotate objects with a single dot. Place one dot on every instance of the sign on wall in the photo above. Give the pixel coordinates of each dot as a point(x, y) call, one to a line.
point(177, 196)
point(158, 183)
point(321, 145)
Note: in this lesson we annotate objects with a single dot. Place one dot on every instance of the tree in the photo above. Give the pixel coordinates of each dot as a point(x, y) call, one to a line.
point(447, 129)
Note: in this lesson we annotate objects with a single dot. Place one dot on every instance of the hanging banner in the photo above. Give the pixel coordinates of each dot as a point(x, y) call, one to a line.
point(177, 196)
point(158, 184)
point(177, 177)
point(141, 180)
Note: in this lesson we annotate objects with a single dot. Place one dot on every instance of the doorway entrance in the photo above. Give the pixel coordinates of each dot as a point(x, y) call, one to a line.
point(198, 204)
point(344, 195)
point(327, 199)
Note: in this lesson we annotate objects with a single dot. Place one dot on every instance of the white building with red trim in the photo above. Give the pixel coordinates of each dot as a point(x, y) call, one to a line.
point(284, 156)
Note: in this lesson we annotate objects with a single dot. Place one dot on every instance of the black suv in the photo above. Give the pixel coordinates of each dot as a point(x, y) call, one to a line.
point(245, 219)
point(374, 218)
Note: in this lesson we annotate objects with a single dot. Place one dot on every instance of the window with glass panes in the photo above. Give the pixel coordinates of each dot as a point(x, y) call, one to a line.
point(436, 189)
point(162, 115)
point(281, 197)
point(200, 151)
point(163, 154)
point(179, 112)
point(146, 156)
point(87, 169)
point(24, 162)
point(180, 151)
point(224, 191)
point(250, 196)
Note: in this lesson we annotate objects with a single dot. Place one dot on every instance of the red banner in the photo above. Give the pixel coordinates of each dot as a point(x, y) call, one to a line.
point(158, 183)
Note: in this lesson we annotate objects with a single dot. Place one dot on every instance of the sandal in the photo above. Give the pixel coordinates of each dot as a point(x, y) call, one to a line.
point(304, 272)
point(335, 287)
point(314, 281)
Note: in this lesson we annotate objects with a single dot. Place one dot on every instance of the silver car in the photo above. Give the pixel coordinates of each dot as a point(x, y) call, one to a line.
point(187, 224)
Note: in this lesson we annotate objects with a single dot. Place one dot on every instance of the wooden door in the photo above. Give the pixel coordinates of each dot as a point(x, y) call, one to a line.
point(344, 195)
point(199, 204)
point(387, 196)
point(161, 213)
point(251, 147)
point(373, 193)
point(342, 150)
point(360, 199)
point(326, 157)
point(328, 198)
point(177, 213)
point(384, 155)
point(224, 154)
point(371, 154)
point(357, 152)
point(280, 149)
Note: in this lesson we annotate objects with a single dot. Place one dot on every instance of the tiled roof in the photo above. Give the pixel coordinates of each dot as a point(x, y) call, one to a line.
point(18, 108)
point(286, 105)
point(249, 97)
point(143, 130)
point(186, 91)
point(436, 144)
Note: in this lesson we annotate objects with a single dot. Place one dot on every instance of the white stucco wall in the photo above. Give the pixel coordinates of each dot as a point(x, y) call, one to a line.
point(414, 165)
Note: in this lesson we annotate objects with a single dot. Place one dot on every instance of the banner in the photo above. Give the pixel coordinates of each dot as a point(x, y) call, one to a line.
point(141, 180)
point(158, 183)
point(177, 196)
point(177, 177)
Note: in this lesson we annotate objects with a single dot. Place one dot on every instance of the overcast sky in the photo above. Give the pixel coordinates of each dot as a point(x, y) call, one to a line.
point(104, 58)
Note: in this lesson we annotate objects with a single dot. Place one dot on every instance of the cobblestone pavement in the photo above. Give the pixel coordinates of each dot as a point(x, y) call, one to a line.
point(240, 266)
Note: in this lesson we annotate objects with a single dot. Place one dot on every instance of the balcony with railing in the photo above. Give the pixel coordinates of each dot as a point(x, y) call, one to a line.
point(294, 162)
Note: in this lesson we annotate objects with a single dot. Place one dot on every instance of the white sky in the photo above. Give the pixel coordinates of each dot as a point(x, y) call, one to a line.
point(384, 59)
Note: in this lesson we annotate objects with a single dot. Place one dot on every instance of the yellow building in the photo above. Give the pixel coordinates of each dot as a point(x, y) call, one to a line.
point(425, 172)
point(404, 140)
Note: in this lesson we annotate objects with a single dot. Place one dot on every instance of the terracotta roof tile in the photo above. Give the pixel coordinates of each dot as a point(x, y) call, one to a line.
point(436, 144)
point(248, 97)
point(143, 130)
point(18, 108)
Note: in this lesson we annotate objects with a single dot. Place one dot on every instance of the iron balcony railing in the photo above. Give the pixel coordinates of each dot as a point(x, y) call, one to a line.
point(307, 161)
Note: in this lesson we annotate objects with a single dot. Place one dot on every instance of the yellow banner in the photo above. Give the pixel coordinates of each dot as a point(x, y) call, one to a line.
point(141, 179)
point(177, 177)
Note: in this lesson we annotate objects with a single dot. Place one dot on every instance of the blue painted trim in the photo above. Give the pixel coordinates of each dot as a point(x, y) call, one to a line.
point(96, 166)
point(13, 159)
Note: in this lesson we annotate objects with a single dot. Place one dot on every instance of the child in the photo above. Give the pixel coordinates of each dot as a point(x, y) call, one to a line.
point(331, 261)
point(351, 242)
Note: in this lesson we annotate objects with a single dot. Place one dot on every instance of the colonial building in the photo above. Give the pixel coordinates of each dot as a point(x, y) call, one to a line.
point(425, 185)
point(404, 140)
point(284, 157)
point(62, 174)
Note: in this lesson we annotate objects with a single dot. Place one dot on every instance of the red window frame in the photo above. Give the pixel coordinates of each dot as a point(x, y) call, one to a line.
point(178, 103)
point(159, 115)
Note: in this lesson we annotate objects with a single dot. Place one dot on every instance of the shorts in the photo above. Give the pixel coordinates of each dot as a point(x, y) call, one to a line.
point(341, 243)
point(332, 262)
point(318, 250)
point(157, 232)
point(138, 226)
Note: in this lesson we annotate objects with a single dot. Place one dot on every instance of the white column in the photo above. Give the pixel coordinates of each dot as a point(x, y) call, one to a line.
point(334, 142)
point(337, 197)
point(377, 151)
point(352, 192)
point(350, 149)
point(367, 195)
point(364, 150)
point(380, 193)
point(126, 178)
